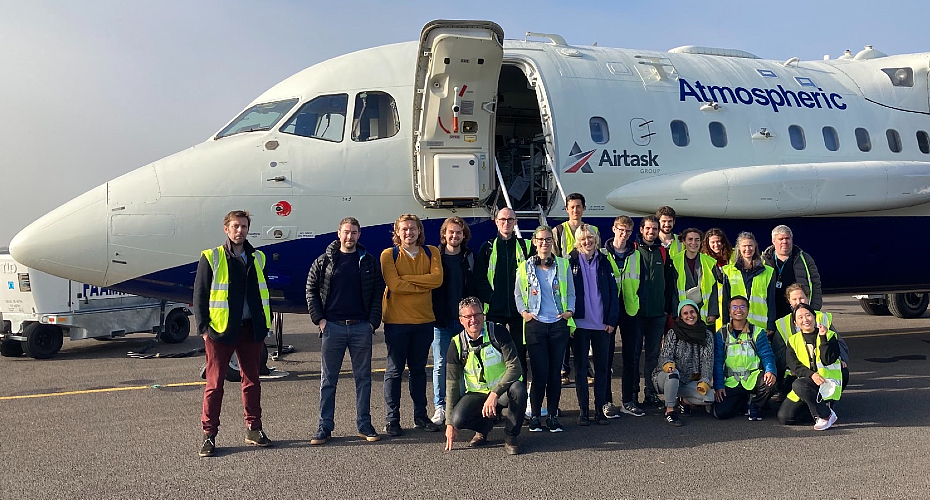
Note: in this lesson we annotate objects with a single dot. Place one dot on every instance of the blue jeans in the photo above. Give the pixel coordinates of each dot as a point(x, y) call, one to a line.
point(336, 339)
point(407, 345)
point(441, 339)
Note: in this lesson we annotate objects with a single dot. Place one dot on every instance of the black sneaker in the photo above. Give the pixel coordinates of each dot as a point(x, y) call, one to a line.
point(755, 413)
point(511, 446)
point(652, 400)
point(682, 408)
point(611, 411)
point(369, 434)
point(583, 419)
point(393, 429)
point(673, 420)
point(601, 419)
point(320, 437)
point(535, 425)
point(257, 438)
point(425, 424)
point(553, 424)
point(209, 445)
point(630, 408)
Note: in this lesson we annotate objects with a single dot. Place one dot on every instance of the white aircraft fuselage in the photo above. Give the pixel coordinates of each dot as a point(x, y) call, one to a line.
point(727, 139)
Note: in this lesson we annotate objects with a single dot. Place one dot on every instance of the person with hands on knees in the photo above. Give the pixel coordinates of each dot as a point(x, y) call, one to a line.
point(483, 376)
point(744, 365)
point(687, 350)
point(814, 357)
point(545, 294)
point(344, 288)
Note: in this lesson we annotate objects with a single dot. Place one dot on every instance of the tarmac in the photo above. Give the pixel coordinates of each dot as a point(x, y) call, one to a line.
point(94, 423)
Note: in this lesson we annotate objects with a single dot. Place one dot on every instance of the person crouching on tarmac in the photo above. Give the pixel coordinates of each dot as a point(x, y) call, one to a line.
point(687, 348)
point(484, 359)
point(814, 357)
point(741, 354)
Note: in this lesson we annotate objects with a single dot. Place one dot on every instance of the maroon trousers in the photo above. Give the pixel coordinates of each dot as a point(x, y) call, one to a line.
point(218, 355)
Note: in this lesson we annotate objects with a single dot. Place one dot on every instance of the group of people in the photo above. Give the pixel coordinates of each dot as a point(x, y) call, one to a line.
point(721, 329)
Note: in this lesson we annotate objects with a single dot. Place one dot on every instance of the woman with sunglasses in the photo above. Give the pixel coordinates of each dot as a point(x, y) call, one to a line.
point(545, 295)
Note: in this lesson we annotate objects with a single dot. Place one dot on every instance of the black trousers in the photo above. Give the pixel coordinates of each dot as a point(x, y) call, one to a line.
point(793, 413)
point(737, 397)
point(599, 342)
point(515, 326)
point(545, 343)
point(467, 412)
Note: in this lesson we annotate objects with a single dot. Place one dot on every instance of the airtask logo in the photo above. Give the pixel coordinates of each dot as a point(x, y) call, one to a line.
point(578, 160)
point(775, 97)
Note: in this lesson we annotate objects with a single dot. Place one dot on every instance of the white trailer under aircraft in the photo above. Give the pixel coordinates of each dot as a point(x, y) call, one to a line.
point(37, 310)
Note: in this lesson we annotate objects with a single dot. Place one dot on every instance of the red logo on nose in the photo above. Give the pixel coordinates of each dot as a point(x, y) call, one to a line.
point(282, 208)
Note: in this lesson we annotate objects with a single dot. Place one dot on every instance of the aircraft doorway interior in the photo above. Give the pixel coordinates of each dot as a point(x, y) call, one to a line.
point(520, 146)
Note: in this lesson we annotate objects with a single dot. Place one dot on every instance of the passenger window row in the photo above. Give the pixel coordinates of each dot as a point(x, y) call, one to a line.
point(718, 136)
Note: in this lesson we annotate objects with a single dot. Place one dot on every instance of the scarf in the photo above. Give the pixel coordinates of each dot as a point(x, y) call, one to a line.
point(693, 334)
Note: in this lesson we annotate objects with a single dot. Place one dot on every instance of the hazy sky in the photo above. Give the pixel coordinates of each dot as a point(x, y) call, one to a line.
point(93, 89)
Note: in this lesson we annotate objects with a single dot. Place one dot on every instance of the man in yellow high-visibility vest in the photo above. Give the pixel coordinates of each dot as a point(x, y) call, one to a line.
point(233, 315)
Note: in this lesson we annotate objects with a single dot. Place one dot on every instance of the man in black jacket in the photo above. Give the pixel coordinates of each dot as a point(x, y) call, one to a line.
point(233, 315)
point(344, 289)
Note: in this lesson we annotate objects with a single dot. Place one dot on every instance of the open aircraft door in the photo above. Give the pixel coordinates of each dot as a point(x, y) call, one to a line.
point(458, 66)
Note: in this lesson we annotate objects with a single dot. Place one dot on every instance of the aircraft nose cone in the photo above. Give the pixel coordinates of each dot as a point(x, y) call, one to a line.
point(70, 241)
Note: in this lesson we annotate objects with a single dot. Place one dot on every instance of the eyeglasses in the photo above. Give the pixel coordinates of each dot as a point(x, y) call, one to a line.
point(509, 220)
point(739, 307)
point(543, 240)
point(469, 317)
point(621, 229)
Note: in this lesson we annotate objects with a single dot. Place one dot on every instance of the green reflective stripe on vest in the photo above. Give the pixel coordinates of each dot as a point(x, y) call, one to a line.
point(492, 261)
point(561, 268)
point(741, 365)
point(482, 373)
point(706, 285)
point(758, 305)
point(219, 288)
point(629, 287)
point(810, 283)
point(618, 278)
point(832, 371)
point(675, 247)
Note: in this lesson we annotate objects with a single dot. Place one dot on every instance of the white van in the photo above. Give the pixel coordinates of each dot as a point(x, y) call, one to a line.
point(39, 309)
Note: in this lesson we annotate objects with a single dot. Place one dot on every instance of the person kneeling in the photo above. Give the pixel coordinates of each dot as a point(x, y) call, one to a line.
point(486, 363)
point(814, 357)
point(689, 348)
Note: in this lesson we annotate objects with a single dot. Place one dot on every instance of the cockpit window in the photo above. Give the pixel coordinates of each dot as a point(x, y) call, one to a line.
point(322, 118)
point(375, 116)
point(259, 117)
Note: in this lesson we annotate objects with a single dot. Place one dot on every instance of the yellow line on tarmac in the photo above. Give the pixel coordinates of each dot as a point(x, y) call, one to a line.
point(92, 391)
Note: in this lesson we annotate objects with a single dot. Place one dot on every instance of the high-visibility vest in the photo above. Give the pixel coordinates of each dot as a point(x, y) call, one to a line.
point(484, 365)
point(561, 267)
point(675, 247)
point(628, 280)
point(742, 365)
point(786, 328)
point(810, 282)
point(492, 261)
point(219, 288)
point(758, 303)
point(707, 283)
point(832, 371)
point(567, 238)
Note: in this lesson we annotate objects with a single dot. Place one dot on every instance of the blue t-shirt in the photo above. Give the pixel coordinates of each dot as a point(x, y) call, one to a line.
point(548, 312)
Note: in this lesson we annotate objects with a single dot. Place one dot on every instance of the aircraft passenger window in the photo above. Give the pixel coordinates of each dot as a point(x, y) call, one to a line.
point(680, 133)
point(830, 139)
point(718, 134)
point(796, 134)
point(894, 140)
point(923, 142)
point(322, 118)
point(600, 133)
point(375, 116)
point(259, 117)
point(862, 137)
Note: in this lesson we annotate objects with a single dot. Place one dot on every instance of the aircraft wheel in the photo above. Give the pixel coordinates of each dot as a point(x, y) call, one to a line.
point(874, 307)
point(177, 327)
point(11, 348)
point(908, 305)
point(42, 341)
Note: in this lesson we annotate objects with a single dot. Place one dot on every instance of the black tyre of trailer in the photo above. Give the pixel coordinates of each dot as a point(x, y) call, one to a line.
point(177, 327)
point(232, 371)
point(908, 305)
point(11, 348)
point(42, 341)
point(874, 307)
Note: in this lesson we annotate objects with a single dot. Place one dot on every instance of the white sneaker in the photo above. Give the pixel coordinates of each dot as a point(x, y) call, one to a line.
point(823, 424)
point(543, 412)
point(439, 417)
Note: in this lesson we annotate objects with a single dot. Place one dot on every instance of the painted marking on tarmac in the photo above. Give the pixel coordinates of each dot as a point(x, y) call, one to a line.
point(891, 334)
point(93, 391)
